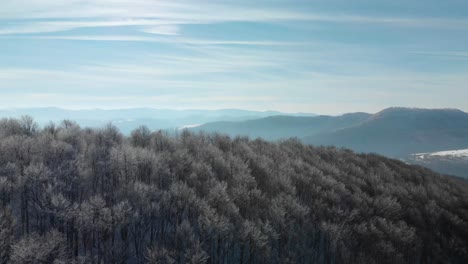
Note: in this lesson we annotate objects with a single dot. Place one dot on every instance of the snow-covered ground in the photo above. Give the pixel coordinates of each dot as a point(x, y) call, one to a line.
point(189, 126)
point(460, 153)
point(450, 162)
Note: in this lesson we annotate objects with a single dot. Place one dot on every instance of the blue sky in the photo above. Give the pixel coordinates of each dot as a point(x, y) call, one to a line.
point(321, 56)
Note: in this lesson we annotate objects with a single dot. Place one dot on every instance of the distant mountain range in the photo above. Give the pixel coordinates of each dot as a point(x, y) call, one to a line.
point(399, 132)
point(279, 127)
point(393, 132)
point(128, 119)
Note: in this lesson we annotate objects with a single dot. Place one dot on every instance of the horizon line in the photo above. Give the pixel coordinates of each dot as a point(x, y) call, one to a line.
point(226, 109)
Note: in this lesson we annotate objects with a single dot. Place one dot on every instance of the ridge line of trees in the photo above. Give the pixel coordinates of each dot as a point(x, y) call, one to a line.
point(79, 195)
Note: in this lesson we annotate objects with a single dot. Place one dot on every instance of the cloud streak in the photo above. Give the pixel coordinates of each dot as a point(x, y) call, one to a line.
point(185, 53)
point(178, 40)
point(445, 54)
point(171, 25)
point(167, 17)
point(24, 27)
point(162, 30)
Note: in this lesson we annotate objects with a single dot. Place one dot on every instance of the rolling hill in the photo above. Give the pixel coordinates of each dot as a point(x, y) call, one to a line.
point(399, 132)
point(278, 127)
point(395, 132)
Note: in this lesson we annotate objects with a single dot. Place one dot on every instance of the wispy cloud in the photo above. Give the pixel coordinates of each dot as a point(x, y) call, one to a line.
point(167, 25)
point(204, 53)
point(24, 27)
point(167, 17)
point(178, 40)
point(162, 30)
point(457, 55)
point(107, 86)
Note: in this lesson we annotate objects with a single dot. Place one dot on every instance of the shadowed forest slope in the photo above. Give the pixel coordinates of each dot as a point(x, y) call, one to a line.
point(94, 196)
point(398, 132)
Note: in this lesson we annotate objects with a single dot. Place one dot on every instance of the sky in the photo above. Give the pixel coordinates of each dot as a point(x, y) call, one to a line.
point(317, 56)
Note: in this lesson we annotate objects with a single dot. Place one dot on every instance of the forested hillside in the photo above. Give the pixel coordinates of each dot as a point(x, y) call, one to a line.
point(73, 195)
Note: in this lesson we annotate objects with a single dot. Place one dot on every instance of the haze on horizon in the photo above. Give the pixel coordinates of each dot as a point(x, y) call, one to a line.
point(314, 56)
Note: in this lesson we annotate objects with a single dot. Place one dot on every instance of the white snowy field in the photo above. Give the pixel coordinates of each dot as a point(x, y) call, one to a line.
point(459, 153)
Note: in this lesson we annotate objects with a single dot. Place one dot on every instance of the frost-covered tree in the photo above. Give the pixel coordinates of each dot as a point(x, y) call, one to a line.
point(80, 195)
point(49, 248)
point(6, 234)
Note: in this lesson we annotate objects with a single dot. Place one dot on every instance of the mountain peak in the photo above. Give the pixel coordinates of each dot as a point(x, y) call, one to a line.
point(400, 111)
point(397, 109)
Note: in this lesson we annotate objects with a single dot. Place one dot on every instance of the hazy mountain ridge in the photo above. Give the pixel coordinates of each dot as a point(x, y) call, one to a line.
point(402, 131)
point(396, 132)
point(129, 119)
point(280, 127)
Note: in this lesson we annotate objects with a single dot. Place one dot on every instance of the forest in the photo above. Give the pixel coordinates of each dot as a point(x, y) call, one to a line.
point(80, 195)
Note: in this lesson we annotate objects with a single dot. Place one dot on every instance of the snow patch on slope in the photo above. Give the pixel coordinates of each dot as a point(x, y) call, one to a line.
point(189, 126)
point(460, 153)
